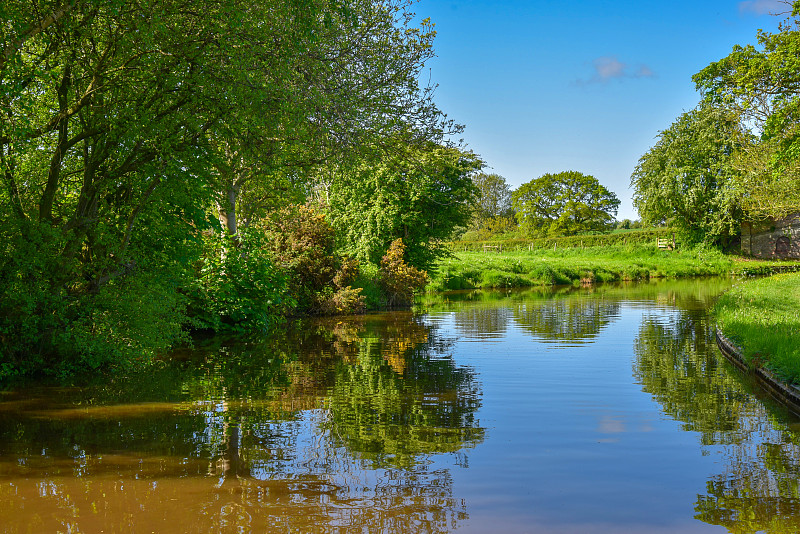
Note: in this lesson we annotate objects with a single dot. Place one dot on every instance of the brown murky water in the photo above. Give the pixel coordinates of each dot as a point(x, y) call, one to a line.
point(605, 409)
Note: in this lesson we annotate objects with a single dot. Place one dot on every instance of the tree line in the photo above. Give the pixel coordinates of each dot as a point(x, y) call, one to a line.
point(735, 155)
point(176, 165)
point(555, 204)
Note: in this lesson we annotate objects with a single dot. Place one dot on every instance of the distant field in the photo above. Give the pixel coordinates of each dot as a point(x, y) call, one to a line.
point(617, 238)
point(590, 264)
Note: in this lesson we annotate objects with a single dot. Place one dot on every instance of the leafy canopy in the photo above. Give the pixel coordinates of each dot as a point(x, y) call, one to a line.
point(417, 194)
point(565, 203)
point(762, 84)
point(494, 198)
point(127, 129)
point(687, 180)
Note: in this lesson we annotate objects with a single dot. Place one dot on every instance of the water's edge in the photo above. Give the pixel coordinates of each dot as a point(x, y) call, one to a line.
point(781, 391)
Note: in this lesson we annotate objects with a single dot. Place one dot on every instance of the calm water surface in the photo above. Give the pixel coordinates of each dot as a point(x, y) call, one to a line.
point(590, 410)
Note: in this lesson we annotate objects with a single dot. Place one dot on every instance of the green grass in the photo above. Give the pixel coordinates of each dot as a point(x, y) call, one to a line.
point(524, 268)
point(762, 317)
point(509, 242)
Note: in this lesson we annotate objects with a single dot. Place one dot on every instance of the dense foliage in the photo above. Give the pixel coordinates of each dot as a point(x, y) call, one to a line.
point(238, 285)
point(762, 85)
point(418, 195)
point(494, 197)
point(302, 243)
point(132, 132)
point(398, 279)
point(565, 203)
point(687, 179)
point(738, 153)
point(493, 214)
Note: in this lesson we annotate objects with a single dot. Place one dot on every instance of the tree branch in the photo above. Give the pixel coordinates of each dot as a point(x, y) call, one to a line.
point(13, 47)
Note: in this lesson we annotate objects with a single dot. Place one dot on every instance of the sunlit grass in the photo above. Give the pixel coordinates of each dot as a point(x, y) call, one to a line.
point(762, 317)
point(523, 268)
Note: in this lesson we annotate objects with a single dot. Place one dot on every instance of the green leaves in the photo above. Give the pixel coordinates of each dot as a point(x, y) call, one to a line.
point(494, 200)
point(687, 179)
point(564, 204)
point(418, 194)
point(239, 287)
point(398, 280)
point(125, 126)
point(762, 85)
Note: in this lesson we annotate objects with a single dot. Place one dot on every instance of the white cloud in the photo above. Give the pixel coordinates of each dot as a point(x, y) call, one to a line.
point(644, 72)
point(610, 68)
point(763, 7)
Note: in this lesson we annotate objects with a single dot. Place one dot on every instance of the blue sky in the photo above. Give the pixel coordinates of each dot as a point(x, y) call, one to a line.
point(546, 86)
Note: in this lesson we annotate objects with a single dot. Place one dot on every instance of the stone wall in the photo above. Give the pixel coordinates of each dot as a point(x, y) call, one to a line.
point(772, 239)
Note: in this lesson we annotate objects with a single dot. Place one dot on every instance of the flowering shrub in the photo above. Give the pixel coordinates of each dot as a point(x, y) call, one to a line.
point(343, 301)
point(399, 280)
point(303, 245)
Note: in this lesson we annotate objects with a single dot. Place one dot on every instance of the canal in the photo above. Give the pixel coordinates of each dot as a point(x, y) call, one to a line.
point(603, 409)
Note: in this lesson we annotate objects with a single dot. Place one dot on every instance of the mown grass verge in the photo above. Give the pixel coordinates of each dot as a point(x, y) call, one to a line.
point(526, 268)
point(762, 317)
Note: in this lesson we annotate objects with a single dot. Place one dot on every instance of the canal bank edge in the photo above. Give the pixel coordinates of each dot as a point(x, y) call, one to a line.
point(778, 389)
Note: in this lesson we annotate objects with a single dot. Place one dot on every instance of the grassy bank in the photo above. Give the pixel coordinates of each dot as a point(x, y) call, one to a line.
point(762, 317)
point(524, 268)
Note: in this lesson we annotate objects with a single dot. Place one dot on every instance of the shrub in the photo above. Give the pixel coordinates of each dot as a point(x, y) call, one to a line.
point(367, 282)
point(342, 301)
point(398, 280)
point(54, 322)
point(303, 244)
point(238, 286)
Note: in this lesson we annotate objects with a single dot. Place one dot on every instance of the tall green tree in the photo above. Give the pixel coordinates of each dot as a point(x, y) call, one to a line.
point(340, 79)
point(687, 179)
point(565, 203)
point(104, 108)
point(494, 198)
point(762, 83)
point(126, 129)
point(417, 194)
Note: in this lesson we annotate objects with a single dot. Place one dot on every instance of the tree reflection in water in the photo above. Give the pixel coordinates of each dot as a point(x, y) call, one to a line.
point(403, 397)
point(567, 320)
point(325, 428)
point(544, 313)
point(677, 362)
point(361, 423)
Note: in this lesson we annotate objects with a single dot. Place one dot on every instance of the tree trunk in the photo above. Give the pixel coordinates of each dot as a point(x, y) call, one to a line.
point(227, 207)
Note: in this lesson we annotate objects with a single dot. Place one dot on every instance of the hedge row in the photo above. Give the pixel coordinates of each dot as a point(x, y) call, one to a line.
point(634, 237)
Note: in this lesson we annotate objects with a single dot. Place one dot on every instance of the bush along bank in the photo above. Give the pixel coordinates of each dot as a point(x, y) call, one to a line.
point(247, 283)
point(762, 318)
